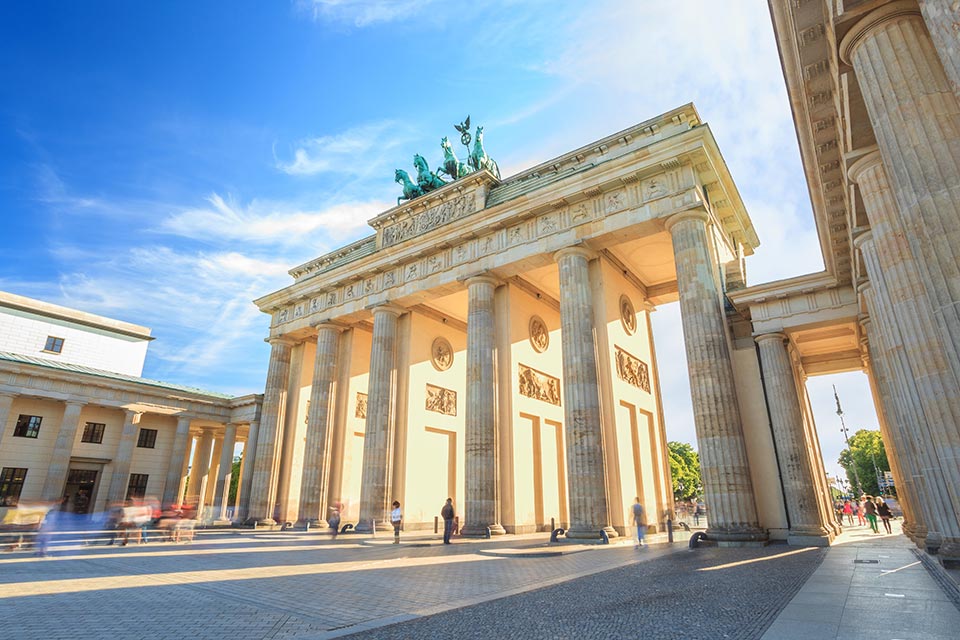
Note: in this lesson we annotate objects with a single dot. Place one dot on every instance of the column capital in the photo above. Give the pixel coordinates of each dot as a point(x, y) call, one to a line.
point(863, 238)
point(75, 403)
point(392, 309)
point(133, 416)
point(275, 340)
point(481, 278)
point(864, 163)
point(899, 10)
point(864, 287)
point(576, 250)
point(327, 325)
point(692, 214)
point(776, 335)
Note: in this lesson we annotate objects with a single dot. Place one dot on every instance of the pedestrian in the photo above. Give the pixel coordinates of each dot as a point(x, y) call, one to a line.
point(870, 511)
point(396, 518)
point(447, 513)
point(858, 511)
point(885, 514)
point(334, 521)
point(848, 511)
point(639, 520)
point(697, 513)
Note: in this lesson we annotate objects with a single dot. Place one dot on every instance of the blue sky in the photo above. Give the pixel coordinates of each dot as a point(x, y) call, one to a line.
point(166, 163)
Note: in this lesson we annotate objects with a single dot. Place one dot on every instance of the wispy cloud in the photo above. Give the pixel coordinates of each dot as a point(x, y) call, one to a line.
point(356, 151)
point(362, 13)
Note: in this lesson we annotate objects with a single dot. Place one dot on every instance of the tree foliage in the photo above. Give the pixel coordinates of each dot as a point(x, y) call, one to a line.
point(235, 480)
point(865, 450)
point(685, 470)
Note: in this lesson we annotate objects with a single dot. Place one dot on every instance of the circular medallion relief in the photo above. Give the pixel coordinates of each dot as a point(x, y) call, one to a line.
point(539, 336)
point(628, 316)
point(441, 354)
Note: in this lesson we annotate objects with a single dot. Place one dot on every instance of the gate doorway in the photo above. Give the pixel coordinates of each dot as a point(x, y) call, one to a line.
point(80, 490)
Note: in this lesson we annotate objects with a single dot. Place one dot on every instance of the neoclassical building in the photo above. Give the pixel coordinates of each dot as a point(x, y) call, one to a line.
point(491, 340)
point(78, 423)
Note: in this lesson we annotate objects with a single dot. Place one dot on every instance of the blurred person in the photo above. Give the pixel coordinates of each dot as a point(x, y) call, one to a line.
point(885, 514)
point(639, 520)
point(334, 520)
point(396, 518)
point(848, 511)
point(870, 512)
point(448, 513)
point(858, 511)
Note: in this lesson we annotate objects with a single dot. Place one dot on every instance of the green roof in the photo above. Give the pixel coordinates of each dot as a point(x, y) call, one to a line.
point(111, 375)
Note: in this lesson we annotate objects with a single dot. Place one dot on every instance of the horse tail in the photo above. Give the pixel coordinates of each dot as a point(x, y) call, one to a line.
point(496, 169)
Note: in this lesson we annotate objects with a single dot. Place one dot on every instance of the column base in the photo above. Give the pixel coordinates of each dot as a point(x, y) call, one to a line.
point(949, 553)
point(223, 522)
point(740, 537)
point(308, 525)
point(496, 529)
point(368, 527)
point(577, 532)
point(266, 522)
point(932, 542)
point(809, 538)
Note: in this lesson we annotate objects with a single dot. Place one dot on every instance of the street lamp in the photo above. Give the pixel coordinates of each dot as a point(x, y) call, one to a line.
point(846, 436)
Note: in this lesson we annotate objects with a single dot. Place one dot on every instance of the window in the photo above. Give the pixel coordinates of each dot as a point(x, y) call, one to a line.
point(54, 345)
point(137, 487)
point(148, 438)
point(11, 484)
point(27, 426)
point(93, 432)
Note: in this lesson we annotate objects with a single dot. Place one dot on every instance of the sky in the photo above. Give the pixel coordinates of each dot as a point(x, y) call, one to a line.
point(167, 163)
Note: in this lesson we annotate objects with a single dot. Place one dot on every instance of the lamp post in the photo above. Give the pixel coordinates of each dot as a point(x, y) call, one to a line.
point(843, 428)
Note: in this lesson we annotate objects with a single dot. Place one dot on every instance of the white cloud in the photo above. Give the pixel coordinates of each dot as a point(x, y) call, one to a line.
point(360, 150)
point(362, 13)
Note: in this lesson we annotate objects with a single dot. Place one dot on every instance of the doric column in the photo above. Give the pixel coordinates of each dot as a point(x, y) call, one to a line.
point(6, 403)
point(375, 487)
point(173, 487)
point(221, 495)
point(200, 469)
point(481, 503)
point(121, 461)
point(723, 454)
point(793, 452)
point(916, 119)
point(60, 460)
point(209, 493)
point(942, 18)
point(586, 477)
point(316, 456)
point(266, 461)
point(246, 475)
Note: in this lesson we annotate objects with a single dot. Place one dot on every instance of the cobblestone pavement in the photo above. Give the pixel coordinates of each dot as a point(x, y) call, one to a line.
point(290, 585)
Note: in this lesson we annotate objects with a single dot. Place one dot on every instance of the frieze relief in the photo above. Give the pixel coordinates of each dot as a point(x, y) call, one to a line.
point(632, 370)
point(539, 386)
point(441, 400)
point(428, 220)
point(361, 408)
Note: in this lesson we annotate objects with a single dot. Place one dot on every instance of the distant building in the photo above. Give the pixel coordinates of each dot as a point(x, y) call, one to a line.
point(78, 423)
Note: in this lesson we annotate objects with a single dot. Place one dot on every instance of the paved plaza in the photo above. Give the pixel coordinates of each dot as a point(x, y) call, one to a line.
point(245, 584)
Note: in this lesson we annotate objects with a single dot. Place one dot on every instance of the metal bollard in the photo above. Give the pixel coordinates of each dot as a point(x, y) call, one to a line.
point(489, 533)
point(373, 528)
point(346, 528)
point(670, 530)
point(553, 525)
point(436, 520)
point(697, 538)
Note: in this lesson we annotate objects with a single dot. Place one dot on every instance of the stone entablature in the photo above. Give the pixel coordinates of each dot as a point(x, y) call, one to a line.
point(615, 191)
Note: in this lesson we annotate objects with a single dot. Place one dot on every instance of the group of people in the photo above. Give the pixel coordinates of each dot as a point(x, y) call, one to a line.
point(866, 511)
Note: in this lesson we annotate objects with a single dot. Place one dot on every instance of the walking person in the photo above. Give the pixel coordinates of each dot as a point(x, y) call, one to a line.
point(640, 520)
point(858, 511)
point(885, 514)
point(848, 511)
point(447, 513)
point(396, 518)
point(334, 520)
point(870, 511)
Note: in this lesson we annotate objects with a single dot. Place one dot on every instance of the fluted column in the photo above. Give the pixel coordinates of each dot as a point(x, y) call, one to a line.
point(316, 456)
point(173, 487)
point(6, 403)
point(916, 119)
point(60, 460)
point(200, 470)
point(121, 461)
point(266, 461)
point(723, 454)
point(942, 18)
point(221, 495)
point(378, 434)
point(246, 470)
point(586, 476)
point(481, 508)
point(209, 493)
point(793, 452)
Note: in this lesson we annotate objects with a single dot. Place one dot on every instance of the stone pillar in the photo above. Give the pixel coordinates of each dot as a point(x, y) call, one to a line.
point(60, 460)
point(723, 455)
point(316, 456)
point(246, 477)
point(793, 452)
point(942, 18)
point(481, 502)
point(210, 491)
point(586, 476)
point(221, 495)
point(121, 461)
point(6, 403)
point(200, 469)
point(173, 486)
point(266, 462)
point(916, 119)
point(375, 486)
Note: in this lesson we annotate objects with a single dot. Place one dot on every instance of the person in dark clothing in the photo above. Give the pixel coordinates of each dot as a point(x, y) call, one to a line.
point(885, 514)
point(448, 513)
point(870, 510)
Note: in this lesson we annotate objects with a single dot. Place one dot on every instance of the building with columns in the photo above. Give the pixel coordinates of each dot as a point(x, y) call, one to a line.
point(77, 422)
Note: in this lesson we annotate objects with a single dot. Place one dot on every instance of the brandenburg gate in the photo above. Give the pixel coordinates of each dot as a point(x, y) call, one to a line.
point(491, 342)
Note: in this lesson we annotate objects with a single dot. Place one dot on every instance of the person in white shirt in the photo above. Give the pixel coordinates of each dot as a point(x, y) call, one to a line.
point(396, 517)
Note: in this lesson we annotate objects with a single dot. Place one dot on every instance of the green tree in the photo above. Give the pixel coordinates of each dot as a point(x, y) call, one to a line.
point(685, 470)
point(865, 451)
point(235, 479)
